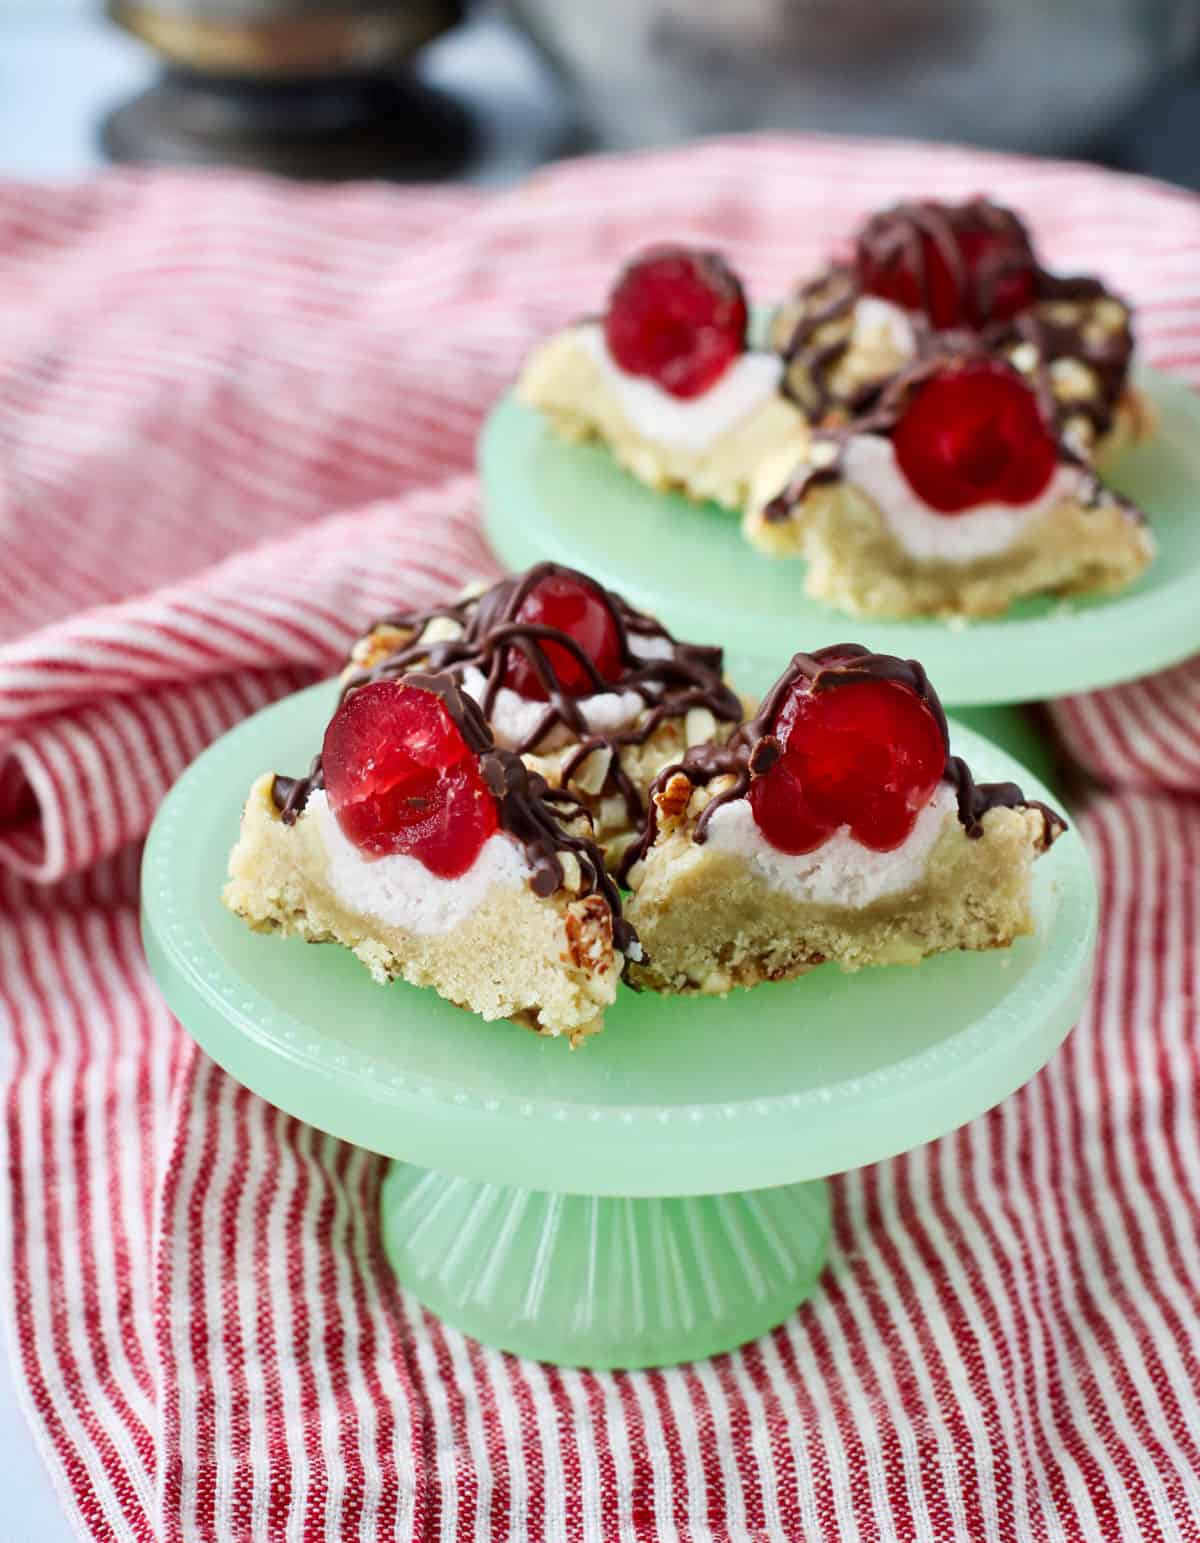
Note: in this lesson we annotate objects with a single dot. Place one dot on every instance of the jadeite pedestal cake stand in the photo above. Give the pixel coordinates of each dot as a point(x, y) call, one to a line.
point(655, 1196)
point(689, 564)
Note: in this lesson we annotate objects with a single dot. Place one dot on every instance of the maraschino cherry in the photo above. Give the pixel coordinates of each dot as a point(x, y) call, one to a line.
point(576, 606)
point(867, 754)
point(400, 778)
point(974, 434)
point(678, 316)
point(988, 274)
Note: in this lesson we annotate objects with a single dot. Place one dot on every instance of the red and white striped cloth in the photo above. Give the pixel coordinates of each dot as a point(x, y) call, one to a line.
point(236, 420)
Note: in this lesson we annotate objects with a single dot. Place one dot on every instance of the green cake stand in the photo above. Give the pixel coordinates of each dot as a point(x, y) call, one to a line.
point(655, 1196)
point(688, 564)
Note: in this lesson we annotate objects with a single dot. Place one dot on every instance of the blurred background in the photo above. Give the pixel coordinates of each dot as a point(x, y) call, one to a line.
point(450, 89)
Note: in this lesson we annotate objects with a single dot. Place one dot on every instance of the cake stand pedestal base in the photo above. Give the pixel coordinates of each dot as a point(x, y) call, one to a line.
point(583, 1280)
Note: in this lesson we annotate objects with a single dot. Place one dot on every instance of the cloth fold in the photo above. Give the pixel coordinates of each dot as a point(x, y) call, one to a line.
point(100, 713)
point(237, 421)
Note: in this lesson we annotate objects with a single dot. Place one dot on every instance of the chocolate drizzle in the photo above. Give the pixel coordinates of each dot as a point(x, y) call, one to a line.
point(810, 359)
point(535, 814)
point(778, 510)
point(754, 749)
point(1106, 354)
point(901, 237)
point(976, 798)
point(812, 349)
point(487, 632)
point(954, 350)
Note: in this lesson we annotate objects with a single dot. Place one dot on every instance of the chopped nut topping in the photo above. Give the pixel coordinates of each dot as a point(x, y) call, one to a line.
point(572, 877)
point(589, 777)
point(377, 645)
point(1072, 380)
point(589, 934)
point(1063, 313)
point(673, 799)
point(612, 813)
point(441, 629)
point(1110, 314)
point(700, 726)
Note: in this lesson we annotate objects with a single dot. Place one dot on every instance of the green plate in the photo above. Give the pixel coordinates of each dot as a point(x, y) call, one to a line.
point(655, 1196)
point(677, 1096)
point(689, 564)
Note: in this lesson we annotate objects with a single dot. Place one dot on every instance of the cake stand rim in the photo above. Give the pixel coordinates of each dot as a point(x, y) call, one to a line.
point(225, 1016)
point(1055, 654)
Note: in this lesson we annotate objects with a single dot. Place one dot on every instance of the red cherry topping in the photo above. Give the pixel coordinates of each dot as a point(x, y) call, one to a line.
point(988, 276)
point(974, 434)
point(575, 606)
point(678, 316)
point(868, 754)
point(400, 778)
point(782, 813)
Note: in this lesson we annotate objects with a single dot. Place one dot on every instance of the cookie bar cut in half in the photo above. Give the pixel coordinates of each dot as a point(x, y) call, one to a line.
point(956, 496)
point(595, 697)
point(835, 826)
point(667, 380)
point(923, 270)
point(438, 859)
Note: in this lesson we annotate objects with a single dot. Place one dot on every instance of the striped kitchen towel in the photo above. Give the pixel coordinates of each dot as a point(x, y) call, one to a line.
point(237, 419)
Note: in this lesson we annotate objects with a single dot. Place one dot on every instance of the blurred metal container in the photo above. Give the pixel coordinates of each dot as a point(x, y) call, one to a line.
point(285, 39)
point(1045, 75)
point(304, 88)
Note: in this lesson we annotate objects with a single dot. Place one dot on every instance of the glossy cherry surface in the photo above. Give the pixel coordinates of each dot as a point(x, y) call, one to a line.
point(679, 317)
point(401, 779)
point(867, 755)
point(974, 435)
point(992, 279)
point(578, 608)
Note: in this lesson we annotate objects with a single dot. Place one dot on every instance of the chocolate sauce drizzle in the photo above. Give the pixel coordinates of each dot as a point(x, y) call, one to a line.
point(809, 364)
point(954, 350)
point(490, 632)
point(895, 235)
point(534, 813)
point(976, 798)
point(754, 749)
